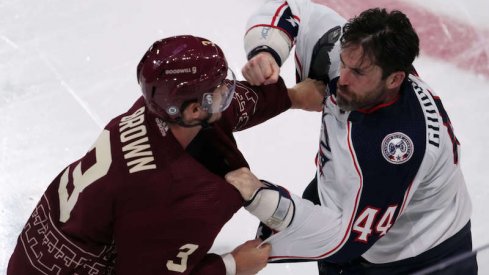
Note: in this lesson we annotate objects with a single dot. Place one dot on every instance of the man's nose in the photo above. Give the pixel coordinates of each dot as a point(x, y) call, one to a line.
point(344, 77)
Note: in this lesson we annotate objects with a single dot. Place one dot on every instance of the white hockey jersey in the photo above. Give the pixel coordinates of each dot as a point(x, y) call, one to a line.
point(389, 182)
point(389, 179)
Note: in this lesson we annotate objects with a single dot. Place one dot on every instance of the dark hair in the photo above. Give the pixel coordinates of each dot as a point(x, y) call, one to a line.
point(387, 38)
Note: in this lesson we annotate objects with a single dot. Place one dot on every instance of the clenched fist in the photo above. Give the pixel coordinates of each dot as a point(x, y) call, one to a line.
point(245, 181)
point(261, 69)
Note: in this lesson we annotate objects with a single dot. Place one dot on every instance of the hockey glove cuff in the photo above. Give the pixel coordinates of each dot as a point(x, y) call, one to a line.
point(275, 42)
point(272, 205)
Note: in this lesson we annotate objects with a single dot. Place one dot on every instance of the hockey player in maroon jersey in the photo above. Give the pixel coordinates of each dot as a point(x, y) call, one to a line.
point(150, 197)
point(389, 196)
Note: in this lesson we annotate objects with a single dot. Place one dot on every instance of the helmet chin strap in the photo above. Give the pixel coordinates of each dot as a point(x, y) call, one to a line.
point(204, 123)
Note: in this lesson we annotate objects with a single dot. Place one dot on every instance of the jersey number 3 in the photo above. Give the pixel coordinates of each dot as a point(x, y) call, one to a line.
point(83, 179)
point(185, 251)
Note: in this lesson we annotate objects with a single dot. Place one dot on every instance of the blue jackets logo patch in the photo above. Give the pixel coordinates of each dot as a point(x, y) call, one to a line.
point(397, 148)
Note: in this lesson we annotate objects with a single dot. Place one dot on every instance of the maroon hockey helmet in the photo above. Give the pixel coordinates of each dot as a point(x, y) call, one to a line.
point(183, 69)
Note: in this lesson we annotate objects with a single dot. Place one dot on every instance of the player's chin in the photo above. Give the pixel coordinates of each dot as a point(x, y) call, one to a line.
point(215, 117)
point(342, 102)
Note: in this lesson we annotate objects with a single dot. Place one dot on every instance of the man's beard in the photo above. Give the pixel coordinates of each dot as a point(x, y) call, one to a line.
point(342, 102)
point(354, 103)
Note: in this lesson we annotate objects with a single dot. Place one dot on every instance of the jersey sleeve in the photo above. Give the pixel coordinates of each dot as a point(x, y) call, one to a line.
point(272, 28)
point(314, 29)
point(69, 230)
point(252, 105)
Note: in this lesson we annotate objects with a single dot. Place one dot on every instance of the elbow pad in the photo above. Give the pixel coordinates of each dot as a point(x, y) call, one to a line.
point(272, 205)
point(270, 39)
point(320, 59)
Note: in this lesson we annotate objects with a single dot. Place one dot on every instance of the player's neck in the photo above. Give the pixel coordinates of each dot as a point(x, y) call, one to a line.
point(184, 135)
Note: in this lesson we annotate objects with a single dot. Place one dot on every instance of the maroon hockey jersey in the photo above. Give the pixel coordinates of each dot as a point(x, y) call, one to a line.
point(138, 203)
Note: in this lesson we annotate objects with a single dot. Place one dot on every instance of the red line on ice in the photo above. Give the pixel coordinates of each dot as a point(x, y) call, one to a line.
point(442, 37)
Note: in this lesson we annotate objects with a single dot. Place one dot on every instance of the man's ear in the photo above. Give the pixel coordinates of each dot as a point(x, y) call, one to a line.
point(192, 111)
point(395, 79)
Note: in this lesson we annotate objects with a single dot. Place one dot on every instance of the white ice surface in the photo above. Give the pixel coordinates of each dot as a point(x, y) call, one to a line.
point(68, 67)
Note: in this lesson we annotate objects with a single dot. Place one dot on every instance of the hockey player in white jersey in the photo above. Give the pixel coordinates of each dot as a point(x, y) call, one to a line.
point(390, 197)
